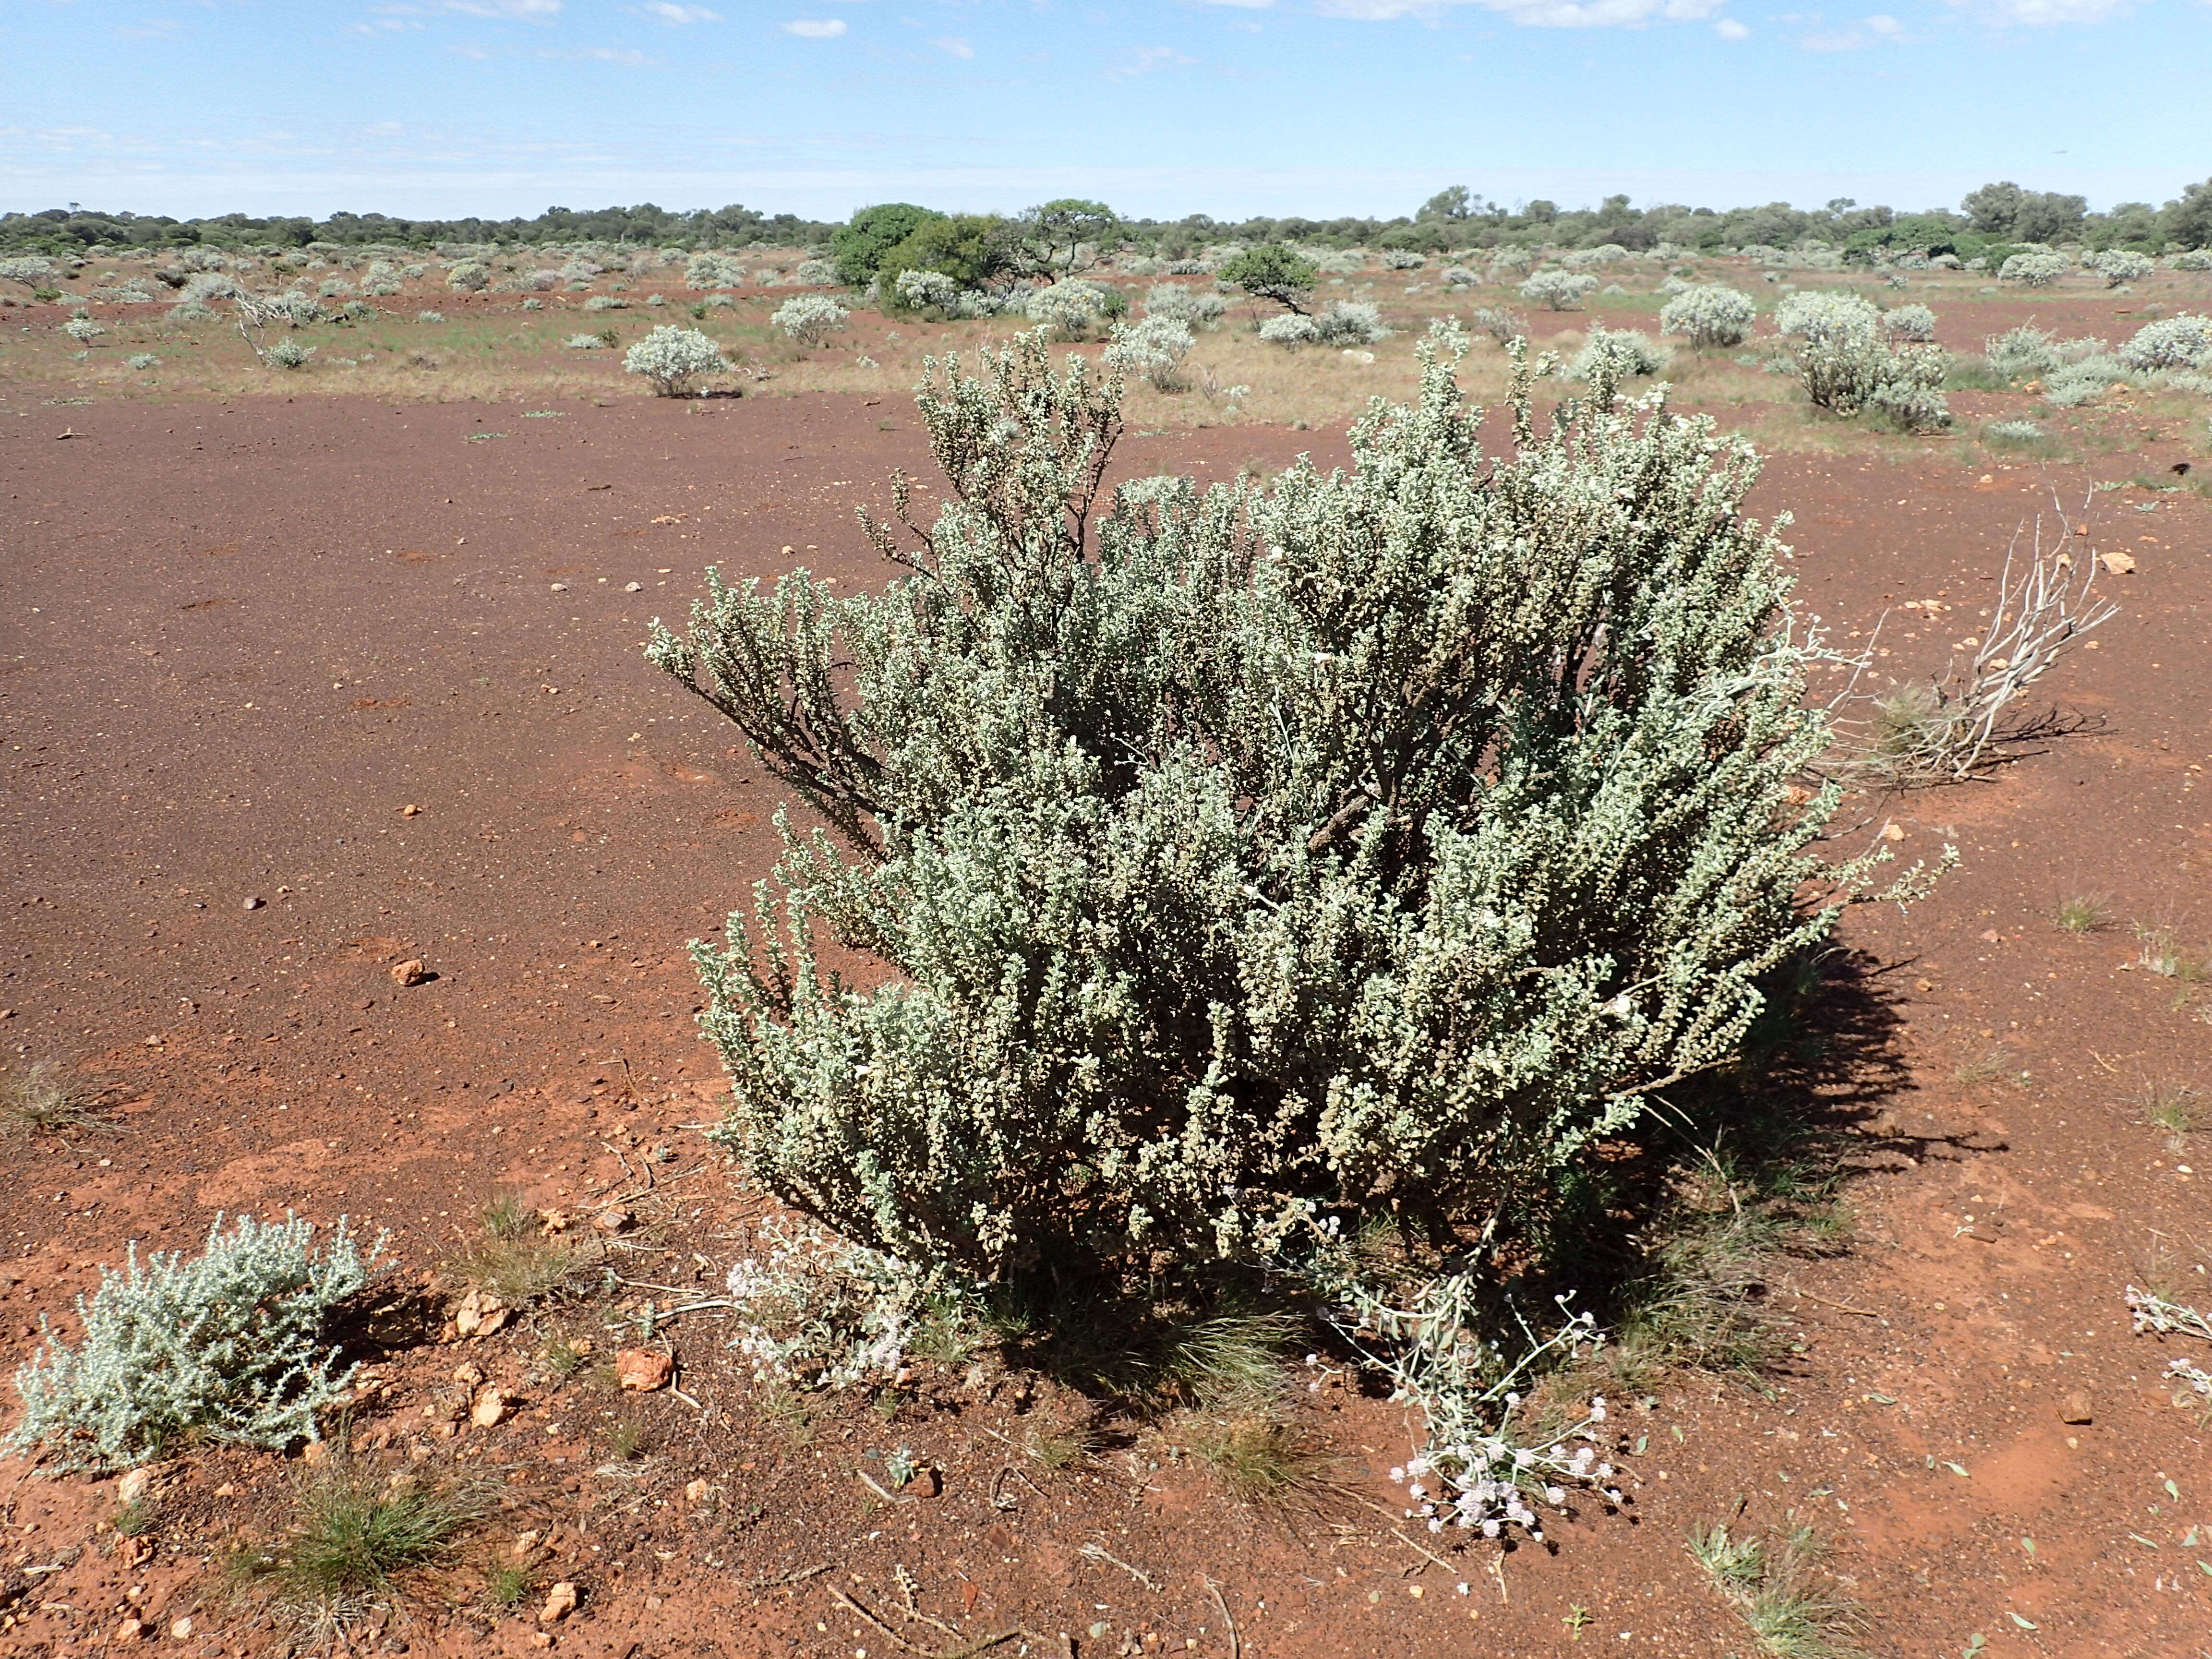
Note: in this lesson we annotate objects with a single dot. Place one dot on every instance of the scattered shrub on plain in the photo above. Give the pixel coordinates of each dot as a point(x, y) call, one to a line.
point(285, 352)
point(2179, 342)
point(1291, 330)
point(1916, 324)
point(1205, 882)
point(927, 290)
point(1350, 323)
point(810, 319)
point(469, 277)
point(1072, 307)
point(1178, 304)
point(1503, 326)
point(43, 1100)
point(2021, 351)
point(2033, 269)
point(1622, 354)
point(429, 316)
point(232, 1345)
point(144, 360)
point(1558, 290)
point(2118, 266)
point(1153, 350)
point(672, 357)
point(83, 330)
point(1710, 315)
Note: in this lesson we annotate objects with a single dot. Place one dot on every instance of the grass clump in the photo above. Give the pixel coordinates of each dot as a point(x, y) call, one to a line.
point(1258, 1455)
point(2082, 913)
point(354, 1537)
point(1776, 1585)
point(41, 1101)
point(512, 1258)
point(2178, 1112)
point(234, 1344)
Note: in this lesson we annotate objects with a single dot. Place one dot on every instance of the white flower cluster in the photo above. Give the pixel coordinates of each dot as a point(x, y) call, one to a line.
point(1558, 290)
point(1710, 314)
point(231, 1345)
point(672, 357)
point(823, 1311)
point(810, 319)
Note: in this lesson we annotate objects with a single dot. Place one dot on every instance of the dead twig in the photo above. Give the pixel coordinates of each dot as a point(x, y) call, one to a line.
point(1828, 1302)
point(1097, 1551)
point(797, 1575)
point(1228, 1619)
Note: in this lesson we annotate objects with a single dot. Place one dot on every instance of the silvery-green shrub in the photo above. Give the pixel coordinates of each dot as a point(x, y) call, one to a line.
point(144, 360)
point(1709, 316)
point(429, 316)
point(2118, 266)
point(533, 303)
point(672, 357)
point(2072, 384)
point(818, 273)
point(1069, 306)
point(1402, 258)
point(2020, 351)
point(205, 285)
point(1290, 330)
point(1620, 354)
point(580, 270)
point(1826, 316)
point(926, 290)
point(1349, 323)
point(231, 1345)
point(1558, 290)
point(1847, 371)
point(1913, 323)
point(83, 330)
point(191, 311)
point(1152, 350)
point(2013, 432)
point(1670, 287)
point(469, 277)
point(31, 268)
point(2180, 342)
point(2196, 259)
point(1180, 304)
point(1369, 843)
point(712, 271)
point(810, 319)
point(285, 352)
point(333, 288)
point(1912, 404)
point(607, 302)
point(2033, 269)
point(585, 342)
point(1456, 278)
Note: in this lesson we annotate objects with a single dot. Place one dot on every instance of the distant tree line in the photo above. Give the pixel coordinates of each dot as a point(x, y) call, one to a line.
point(1044, 239)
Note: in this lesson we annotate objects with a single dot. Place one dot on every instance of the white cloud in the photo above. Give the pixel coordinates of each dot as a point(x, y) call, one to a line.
point(2043, 14)
point(953, 46)
point(1729, 29)
point(1536, 13)
point(602, 55)
point(816, 28)
point(1886, 26)
point(518, 12)
point(1145, 59)
point(678, 15)
point(1854, 37)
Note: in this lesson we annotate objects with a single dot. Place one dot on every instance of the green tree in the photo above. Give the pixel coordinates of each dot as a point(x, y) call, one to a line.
point(1052, 238)
point(1450, 203)
point(1271, 271)
point(2187, 223)
point(858, 245)
point(973, 249)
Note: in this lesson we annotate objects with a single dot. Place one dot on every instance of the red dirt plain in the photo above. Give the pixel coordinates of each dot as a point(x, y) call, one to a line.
point(245, 639)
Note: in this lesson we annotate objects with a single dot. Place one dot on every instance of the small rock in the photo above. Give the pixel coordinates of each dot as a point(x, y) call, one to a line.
point(613, 1219)
point(553, 1221)
point(470, 1374)
point(699, 1492)
point(315, 1451)
point(480, 1313)
point(491, 1407)
point(633, 587)
point(642, 1370)
point(255, 902)
point(409, 972)
point(133, 1630)
point(2076, 1408)
point(226, 1490)
point(2120, 564)
point(560, 1602)
point(181, 1629)
point(410, 811)
point(524, 1544)
point(132, 1486)
point(560, 587)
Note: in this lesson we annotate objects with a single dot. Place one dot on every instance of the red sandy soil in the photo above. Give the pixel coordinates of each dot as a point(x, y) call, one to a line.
point(246, 640)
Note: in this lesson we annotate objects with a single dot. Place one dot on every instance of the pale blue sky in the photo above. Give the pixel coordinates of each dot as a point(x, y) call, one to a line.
point(440, 107)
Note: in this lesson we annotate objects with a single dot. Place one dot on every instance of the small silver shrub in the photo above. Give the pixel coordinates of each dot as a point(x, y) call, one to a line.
point(1290, 330)
point(2182, 342)
point(1624, 353)
point(1913, 323)
point(1710, 315)
point(2033, 269)
point(469, 276)
point(2018, 351)
point(712, 271)
point(2116, 265)
point(672, 358)
point(1180, 304)
point(231, 1345)
point(1153, 350)
point(144, 360)
point(815, 273)
point(810, 319)
point(927, 290)
point(1350, 323)
point(1558, 290)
